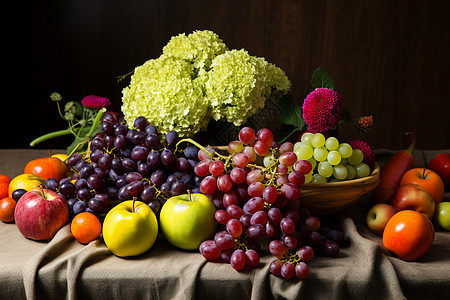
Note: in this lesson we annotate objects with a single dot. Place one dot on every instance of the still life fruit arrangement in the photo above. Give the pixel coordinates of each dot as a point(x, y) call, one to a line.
point(134, 177)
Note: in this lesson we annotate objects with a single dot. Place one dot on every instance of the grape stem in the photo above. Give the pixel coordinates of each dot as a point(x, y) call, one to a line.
point(292, 132)
point(194, 143)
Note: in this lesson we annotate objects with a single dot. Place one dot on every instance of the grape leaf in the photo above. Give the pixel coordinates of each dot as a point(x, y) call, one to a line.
point(320, 79)
point(291, 113)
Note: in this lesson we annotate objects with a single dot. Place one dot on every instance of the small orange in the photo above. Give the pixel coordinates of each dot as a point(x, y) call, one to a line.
point(4, 187)
point(408, 234)
point(7, 206)
point(5, 178)
point(86, 227)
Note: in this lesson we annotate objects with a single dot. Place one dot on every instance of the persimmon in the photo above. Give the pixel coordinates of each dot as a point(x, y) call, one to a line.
point(408, 234)
point(86, 227)
point(427, 179)
point(47, 167)
point(7, 206)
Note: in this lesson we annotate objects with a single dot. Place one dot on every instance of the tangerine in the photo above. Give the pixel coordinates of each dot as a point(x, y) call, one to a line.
point(4, 188)
point(5, 178)
point(7, 206)
point(86, 227)
point(408, 234)
point(427, 179)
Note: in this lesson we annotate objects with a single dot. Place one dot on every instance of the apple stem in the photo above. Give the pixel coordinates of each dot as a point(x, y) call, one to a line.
point(41, 186)
point(423, 174)
point(134, 200)
point(189, 193)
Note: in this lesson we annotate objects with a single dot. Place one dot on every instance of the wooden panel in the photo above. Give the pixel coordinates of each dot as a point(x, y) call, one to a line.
point(387, 58)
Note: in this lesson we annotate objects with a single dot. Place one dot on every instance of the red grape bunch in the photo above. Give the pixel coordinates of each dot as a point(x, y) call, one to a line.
point(248, 196)
point(256, 190)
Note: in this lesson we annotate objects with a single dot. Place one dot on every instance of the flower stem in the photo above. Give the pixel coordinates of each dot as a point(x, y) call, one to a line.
point(59, 111)
point(50, 136)
point(97, 121)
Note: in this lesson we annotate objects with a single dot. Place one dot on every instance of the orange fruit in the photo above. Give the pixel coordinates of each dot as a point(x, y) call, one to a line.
point(5, 178)
point(4, 188)
point(7, 206)
point(427, 179)
point(86, 227)
point(408, 234)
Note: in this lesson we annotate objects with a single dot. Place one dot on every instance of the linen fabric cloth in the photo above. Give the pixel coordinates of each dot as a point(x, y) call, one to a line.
point(64, 268)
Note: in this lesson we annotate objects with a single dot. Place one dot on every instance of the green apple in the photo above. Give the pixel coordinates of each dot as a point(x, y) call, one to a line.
point(187, 220)
point(443, 215)
point(130, 228)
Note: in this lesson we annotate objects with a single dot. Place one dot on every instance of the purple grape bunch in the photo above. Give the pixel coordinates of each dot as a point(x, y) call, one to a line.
point(125, 162)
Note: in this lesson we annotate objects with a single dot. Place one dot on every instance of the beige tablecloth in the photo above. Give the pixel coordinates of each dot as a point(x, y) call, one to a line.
point(64, 268)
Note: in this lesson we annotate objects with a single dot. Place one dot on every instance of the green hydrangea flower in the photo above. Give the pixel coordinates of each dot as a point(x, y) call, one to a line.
point(197, 78)
point(239, 84)
point(163, 91)
point(198, 48)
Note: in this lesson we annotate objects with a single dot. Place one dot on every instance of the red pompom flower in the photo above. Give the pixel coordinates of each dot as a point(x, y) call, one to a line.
point(322, 110)
point(95, 102)
point(369, 156)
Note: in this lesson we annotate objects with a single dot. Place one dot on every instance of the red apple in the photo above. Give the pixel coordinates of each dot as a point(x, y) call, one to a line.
point(378, 216)
point(441, 165)
point(427, 179)
point(40, 213)
point(414, 197)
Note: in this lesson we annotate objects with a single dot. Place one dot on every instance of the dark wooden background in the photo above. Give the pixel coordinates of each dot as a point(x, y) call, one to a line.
point(387, 58)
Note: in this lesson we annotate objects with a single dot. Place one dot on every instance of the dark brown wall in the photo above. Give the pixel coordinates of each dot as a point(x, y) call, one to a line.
point(387, 58)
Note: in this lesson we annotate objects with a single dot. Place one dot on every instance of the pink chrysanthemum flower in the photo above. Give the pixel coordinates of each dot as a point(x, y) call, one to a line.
point(322, 110)
point(369, 156)
point(95, 102)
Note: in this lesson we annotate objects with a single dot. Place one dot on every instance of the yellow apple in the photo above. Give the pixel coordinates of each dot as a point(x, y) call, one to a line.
point(378, 216)
point(187, 220)
point(130, 228)
point(26, 182)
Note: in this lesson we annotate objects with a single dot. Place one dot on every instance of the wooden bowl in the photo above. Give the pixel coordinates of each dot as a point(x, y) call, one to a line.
point(328, 198)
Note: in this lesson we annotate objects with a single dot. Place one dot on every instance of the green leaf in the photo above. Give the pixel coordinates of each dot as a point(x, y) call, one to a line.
point(78, 109)
point(291, 113)
point(81, 142)
point(345, 117)
point(320, 79)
